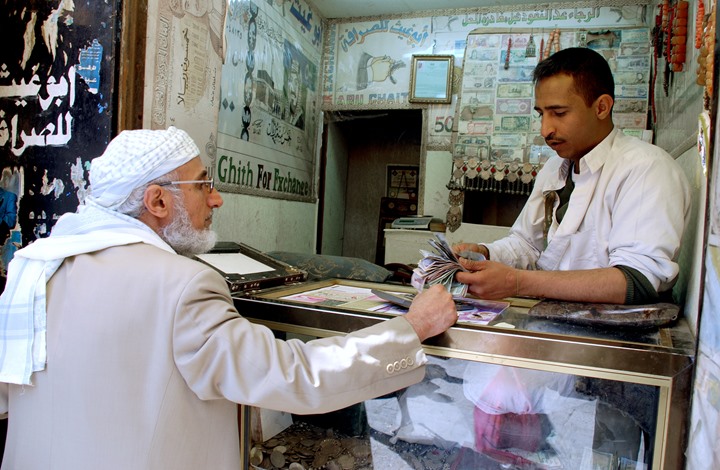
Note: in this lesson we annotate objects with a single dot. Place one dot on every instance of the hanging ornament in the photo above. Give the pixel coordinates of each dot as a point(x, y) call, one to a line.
point(556, 41)
point(657, 36)
point(668, 35)
point(668, 32)
point(530, 50)
point(456, 197)
point(472, 167)
point(453, 219)
point(679, 36)
point(710, 59)
point(553, 44)
point(542, 49)
point(657, 53)
point(526, 179)
point(485, 175)
point(699, 20)
point(499, 176)
point(548, 44)
point(512, 181)
point(507, 56)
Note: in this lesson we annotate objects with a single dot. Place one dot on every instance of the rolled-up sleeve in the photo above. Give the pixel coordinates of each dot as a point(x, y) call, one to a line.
point(649, 217)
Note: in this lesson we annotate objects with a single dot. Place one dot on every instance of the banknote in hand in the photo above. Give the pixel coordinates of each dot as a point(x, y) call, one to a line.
point(439, 267)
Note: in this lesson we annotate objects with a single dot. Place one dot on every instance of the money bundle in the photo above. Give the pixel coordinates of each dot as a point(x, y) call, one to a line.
point(439, 267)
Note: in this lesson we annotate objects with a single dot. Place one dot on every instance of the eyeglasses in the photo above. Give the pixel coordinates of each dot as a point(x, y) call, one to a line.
point(209, 184)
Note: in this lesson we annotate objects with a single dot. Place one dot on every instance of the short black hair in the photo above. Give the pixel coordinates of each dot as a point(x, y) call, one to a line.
point(589, 70)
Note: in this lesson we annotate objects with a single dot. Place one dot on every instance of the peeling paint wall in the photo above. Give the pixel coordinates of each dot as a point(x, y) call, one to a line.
point(57, 68)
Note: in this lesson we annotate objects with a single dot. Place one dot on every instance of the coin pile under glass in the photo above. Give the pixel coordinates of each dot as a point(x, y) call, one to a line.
point(304, 446)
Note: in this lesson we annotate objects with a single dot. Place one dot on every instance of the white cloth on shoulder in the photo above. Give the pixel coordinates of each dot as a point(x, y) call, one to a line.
point(22, 304)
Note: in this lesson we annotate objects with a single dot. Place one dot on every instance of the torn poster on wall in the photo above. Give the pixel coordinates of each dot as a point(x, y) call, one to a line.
point(56, 110)
point(183, 61)
point(269, 111)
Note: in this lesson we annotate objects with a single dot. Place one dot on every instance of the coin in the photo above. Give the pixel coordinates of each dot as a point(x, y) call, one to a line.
point(361, 450)
point(277, 459)
point(320, 460)
point(256, 456)
point(347, 462)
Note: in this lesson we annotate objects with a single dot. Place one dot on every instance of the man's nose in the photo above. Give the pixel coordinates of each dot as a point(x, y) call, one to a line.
point(546, 127)
point(215, 199)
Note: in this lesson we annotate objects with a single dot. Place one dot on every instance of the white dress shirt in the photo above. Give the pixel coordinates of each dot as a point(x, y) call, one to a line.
point(630, 206)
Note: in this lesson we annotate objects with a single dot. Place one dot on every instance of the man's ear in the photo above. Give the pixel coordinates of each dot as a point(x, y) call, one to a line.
point(157, 202)
point(603, 106)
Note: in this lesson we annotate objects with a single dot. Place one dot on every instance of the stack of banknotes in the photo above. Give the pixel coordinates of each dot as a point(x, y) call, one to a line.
point(439, 267)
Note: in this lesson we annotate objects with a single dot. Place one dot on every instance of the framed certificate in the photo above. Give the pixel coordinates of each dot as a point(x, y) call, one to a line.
point(431, 79)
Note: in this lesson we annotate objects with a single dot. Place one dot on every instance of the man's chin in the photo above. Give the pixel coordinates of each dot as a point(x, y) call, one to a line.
point(563, 153)
point(209, 240)
point(198, 243)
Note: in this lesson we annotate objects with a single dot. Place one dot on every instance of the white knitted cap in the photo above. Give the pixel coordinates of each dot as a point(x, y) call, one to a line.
point(134, 158)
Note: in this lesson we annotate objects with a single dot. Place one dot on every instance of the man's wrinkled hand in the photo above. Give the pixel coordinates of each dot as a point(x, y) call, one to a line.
point(432, 312)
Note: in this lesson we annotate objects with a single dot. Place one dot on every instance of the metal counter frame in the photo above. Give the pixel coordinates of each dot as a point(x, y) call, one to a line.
point(667, 364)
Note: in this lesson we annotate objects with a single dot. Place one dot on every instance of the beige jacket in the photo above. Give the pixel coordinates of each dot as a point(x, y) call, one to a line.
point(147, 357)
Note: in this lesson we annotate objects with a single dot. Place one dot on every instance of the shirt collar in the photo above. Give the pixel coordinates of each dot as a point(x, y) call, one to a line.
point(596, 158)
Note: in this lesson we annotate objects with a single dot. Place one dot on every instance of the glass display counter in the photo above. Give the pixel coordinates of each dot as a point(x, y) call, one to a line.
point(502, 390)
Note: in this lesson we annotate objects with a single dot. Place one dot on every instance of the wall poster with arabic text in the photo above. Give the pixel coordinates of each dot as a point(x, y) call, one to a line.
point(184, 55)
point(57, 69)
point(366, 64)
point(269, 116)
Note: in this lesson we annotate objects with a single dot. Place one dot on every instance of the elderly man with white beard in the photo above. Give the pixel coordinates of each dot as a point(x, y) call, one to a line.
point(117, 352)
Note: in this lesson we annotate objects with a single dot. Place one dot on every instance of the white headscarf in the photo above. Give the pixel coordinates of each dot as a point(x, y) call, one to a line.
point(135, 158)
point(131, 160)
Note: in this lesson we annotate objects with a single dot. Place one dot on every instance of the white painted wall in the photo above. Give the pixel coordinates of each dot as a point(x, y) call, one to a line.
point(267, 224)
point(434, 199)
point(692, 250)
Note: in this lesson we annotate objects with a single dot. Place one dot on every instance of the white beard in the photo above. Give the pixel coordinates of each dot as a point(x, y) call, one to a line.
point(183, 237)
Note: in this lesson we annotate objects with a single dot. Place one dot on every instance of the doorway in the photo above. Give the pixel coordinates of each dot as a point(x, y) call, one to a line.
point(365, 145)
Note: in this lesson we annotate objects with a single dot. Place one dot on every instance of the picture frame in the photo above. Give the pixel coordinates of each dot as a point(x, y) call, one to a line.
point(402, 181)
point(431, 78)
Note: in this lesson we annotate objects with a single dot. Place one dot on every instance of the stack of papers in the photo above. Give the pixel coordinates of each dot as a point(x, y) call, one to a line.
point(439, 267)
